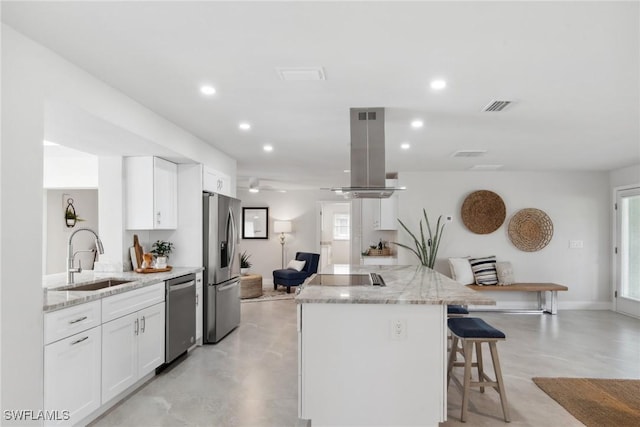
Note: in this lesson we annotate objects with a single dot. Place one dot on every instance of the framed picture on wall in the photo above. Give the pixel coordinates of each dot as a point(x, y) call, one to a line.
point(255, 223)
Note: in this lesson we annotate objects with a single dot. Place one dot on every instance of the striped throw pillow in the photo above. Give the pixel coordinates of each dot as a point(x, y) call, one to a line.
point(484, 270)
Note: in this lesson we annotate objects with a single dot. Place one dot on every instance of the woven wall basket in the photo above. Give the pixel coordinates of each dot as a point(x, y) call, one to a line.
point(530, 229)
point(483, 212)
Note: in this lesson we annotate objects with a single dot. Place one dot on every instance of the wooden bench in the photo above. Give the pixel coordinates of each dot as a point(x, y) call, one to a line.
point(540, 288)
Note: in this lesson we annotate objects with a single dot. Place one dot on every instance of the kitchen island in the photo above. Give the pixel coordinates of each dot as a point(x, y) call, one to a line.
point(376, 356)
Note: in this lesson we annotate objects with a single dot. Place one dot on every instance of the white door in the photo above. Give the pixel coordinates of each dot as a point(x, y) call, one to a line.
point(119, 355)
point(628, 251)
point(151, 338)
point(72, 376)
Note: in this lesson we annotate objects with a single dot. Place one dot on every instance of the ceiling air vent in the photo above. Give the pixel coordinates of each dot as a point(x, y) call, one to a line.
point(469, 153)
point(301, 73)
point(485, 168)
point(496, 106)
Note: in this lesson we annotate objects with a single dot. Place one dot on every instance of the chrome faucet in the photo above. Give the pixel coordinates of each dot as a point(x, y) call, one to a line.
point(71, 255)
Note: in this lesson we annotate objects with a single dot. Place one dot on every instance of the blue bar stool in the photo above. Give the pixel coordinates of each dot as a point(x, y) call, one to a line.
point(470, 331)
point(455, 311)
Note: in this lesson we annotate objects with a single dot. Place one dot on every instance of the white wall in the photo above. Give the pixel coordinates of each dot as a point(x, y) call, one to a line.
point(68, 168)
point(625, 176)
point(57, 233)
point(296, 206)
point(22, 132)
point(577, 203)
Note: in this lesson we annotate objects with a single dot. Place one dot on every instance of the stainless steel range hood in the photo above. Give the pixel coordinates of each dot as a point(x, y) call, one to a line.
point(367, 156)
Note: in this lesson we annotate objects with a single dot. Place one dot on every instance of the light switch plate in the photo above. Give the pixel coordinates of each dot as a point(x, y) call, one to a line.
point(575, 244)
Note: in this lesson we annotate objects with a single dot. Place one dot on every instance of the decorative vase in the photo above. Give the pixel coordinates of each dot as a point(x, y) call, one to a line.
point(161, 262)
point(244, 271)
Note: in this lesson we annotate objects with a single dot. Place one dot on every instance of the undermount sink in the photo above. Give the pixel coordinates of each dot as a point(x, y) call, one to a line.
point(94, 286)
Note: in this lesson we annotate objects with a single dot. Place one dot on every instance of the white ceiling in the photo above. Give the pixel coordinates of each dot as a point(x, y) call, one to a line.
point(571, 69)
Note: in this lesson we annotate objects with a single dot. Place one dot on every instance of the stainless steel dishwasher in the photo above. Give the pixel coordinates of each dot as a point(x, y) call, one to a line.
point(180, 316)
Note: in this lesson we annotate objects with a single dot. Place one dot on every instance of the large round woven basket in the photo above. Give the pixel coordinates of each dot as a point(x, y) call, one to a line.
point(530, 229)
point(483, 212)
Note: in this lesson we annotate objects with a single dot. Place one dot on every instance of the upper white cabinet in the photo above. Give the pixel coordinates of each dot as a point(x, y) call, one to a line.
point(152, 193)
point(384, 211)
point(216, 181)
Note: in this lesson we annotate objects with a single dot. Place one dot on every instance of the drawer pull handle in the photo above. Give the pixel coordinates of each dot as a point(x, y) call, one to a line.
point(80, 340)
point(137, 330)
point(71, 322)
point(144, 324)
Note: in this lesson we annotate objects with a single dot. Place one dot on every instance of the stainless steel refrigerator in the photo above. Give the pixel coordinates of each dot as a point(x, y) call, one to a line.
point(222, 266)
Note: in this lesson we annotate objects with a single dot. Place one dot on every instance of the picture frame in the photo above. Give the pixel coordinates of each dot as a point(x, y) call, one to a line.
point(255, 223)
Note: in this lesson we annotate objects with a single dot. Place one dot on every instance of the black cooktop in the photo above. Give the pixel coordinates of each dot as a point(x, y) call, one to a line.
point(340, 280)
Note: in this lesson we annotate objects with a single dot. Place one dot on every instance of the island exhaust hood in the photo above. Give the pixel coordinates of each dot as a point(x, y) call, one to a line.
point(367, 156)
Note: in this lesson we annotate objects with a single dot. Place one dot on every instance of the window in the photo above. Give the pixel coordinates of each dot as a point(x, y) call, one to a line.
point(341, 226)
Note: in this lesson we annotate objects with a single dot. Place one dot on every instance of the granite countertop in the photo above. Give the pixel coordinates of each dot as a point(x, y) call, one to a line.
point(405, 284)
point(58, 294)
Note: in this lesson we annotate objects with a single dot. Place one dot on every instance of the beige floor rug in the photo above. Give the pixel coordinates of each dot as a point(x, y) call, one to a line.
point(596, 402)
point(268, 294)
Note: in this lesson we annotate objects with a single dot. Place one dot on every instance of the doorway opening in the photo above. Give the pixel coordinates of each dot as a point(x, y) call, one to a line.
point(335, 233)
point(628, 251)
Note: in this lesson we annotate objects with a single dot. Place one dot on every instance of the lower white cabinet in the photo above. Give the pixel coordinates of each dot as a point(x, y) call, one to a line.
point(199, 308)
point(72, 376)
point(379, 260)
point(132, 347)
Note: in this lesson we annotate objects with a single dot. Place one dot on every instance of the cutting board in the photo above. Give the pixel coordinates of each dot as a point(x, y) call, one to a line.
point(139, 251)
point(153, 270)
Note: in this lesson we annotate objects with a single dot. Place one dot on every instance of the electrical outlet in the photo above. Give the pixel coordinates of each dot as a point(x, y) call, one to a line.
point(398, 329)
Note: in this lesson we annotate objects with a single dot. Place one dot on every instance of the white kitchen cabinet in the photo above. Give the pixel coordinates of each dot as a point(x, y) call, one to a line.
point(379, 260)
point(199, 305)
point(216, 182)
point(132, 347)
point(72, 376)
point(151, 338)
point(384, 212)
point(151, 193)
point(133, 337)
point(119, 355)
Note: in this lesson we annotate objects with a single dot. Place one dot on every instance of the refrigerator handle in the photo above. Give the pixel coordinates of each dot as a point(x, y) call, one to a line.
point(231, 237)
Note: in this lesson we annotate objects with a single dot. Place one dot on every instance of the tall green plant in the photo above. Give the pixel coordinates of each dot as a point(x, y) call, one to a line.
point(426, 248)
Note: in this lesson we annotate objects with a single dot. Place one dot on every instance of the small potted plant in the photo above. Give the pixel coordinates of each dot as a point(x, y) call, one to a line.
point(245, 264)
point(162, 249)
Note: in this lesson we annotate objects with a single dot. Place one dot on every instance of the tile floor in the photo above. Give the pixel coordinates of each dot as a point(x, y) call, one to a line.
point(250, 377)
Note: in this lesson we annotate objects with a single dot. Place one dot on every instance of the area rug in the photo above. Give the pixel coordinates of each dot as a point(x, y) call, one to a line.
point(596, 402)
point(268, 294)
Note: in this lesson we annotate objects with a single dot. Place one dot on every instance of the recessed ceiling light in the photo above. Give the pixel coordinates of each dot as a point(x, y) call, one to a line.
point(438, 84)
point(49, 143)
point(347, 171)
point(268, 148)
point(244, 126)
point(254, 190)
point(417, 124)
point(405, 145)
point(207, 90)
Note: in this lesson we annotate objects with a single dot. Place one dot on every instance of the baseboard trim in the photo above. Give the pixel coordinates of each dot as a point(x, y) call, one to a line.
point(527, 305)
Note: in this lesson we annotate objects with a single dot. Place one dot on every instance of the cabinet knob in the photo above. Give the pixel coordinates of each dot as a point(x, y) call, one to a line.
point(158, 218)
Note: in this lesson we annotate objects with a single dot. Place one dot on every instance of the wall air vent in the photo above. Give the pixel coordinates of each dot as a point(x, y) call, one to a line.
point(469, 153)
point(496, 106)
